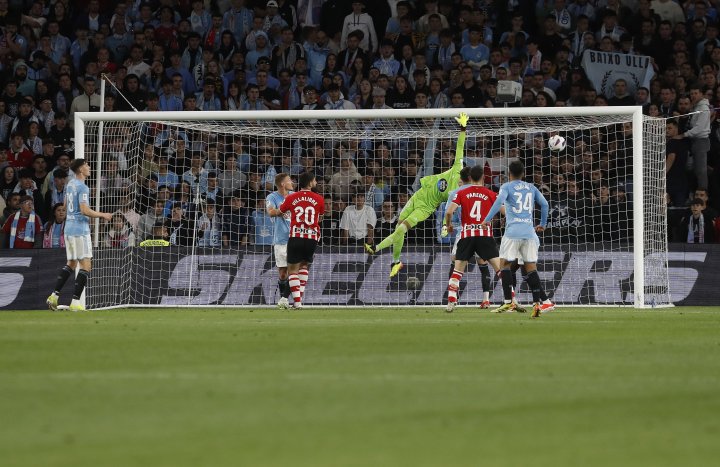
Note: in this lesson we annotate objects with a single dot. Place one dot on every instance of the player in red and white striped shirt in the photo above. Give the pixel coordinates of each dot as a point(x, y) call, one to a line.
point(306, 209)
point(475, 201)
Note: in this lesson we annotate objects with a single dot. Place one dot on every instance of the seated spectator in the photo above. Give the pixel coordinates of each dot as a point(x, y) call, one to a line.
point(23, 229)
point(120, 234)
point(56, 190)
point(210, 226)
point(8, 181)
point(54, 236)
point(358, 222)
point(697, 227)
point(18, 155)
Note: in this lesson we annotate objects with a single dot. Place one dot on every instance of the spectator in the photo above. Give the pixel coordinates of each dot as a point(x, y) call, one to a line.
point(54, 229)
point(89, 101)
point(210, 226)
point(676, 154)
point(363, 22)
point(180, 227)
point(24, 228)
point(620, 94)
point(120, 234)
point(697, 227)
point(698, 133)
point(55, 193)
point(148, 220)
point(388, 219)
point(8, 181)
point(236, 223)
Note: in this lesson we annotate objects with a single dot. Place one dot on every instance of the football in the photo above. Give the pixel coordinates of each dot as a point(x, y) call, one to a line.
point(556, 143)
point(412, 283)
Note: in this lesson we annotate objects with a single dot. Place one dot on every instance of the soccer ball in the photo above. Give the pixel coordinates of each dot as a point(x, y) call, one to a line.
point(412, 283)
point(557, 143)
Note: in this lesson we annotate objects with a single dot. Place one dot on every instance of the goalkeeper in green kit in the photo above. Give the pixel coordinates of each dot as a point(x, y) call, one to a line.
point(434, 190)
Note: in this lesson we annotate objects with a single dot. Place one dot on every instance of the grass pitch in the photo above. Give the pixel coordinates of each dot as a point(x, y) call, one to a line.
point(370, 387)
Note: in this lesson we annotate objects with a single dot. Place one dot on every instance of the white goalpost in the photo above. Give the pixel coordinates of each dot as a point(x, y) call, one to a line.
point(195, 184)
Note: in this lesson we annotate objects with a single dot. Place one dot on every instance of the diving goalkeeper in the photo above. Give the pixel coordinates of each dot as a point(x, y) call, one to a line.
point(434, 190)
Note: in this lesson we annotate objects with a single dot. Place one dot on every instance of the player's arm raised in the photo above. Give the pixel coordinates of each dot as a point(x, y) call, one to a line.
point(462, 120)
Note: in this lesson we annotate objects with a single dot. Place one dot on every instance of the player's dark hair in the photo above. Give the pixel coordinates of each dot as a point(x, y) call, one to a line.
point(477, 173)
point(306, 179)
point(517, 169)
point(465, 174)
point(76, 164)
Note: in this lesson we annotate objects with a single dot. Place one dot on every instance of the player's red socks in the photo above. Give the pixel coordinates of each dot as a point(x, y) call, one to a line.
point(454, 285)
point(295, 287)
point(303, 276)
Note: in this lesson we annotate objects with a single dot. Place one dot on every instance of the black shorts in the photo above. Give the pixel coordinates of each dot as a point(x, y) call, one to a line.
point(300, 250)
point(484, 247)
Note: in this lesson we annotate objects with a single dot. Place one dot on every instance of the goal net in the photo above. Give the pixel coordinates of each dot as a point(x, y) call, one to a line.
point(195, 184)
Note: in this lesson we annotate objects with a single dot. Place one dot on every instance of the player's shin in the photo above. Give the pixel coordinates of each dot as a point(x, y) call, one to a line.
point(454, 285)
point(399, 241)
point(534, 282)
point(80, 283)
point(284, 287)
point(62, 277)
point(507, 285)
point(303, 277)
point(295, 287)
point(485, 278)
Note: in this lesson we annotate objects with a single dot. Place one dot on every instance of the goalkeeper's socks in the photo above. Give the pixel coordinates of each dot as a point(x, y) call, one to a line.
point(386, 242)
point(485, 275)
point(507, 285)
point(295, 287)
point(80, 283)
point(62, 277)
point(454, 285)
point(398, 242)
point(539, 294)
point(303, 276)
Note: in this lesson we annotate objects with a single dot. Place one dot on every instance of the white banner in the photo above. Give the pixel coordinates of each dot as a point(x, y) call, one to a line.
point(604, 68)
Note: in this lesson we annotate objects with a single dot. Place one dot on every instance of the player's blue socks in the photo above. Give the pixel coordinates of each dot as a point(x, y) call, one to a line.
point(80, 283)
point(533, 280)
point(62, 277)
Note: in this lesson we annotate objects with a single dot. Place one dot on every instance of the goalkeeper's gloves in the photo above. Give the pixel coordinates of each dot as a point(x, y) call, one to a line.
point(462, 119)
point(444, 231)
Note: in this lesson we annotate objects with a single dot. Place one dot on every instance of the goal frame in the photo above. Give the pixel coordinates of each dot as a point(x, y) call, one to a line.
point(635, 112)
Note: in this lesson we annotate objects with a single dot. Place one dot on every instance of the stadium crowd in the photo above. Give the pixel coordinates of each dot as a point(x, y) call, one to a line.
point(174, 55)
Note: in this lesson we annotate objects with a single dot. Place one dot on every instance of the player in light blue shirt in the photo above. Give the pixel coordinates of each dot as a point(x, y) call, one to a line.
point(78, 244)
point(482, 264)
point(281, 232)
point(520, 241)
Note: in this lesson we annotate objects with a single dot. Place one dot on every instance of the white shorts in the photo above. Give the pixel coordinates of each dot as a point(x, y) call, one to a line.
point(454, 248)
point(524, 250)
point(78, 247)
point(280, 255)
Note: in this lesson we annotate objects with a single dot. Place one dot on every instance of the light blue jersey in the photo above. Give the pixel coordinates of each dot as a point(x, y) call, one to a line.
point(455, 220)
point(77, 223)
point(519, 198)
point(281, 224)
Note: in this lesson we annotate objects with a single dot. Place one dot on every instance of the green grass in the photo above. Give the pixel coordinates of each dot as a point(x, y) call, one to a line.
point(372, 387)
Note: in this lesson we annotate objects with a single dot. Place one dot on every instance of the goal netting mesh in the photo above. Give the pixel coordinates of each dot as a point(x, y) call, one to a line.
point(201, 186)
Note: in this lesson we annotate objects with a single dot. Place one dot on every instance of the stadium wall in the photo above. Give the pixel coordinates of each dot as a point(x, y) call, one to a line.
point(249, 278)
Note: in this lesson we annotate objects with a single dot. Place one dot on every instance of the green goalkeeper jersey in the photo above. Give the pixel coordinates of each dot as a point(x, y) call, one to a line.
point(435, 188)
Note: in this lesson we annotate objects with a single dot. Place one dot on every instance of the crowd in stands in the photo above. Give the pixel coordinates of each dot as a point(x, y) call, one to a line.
point(175, 55)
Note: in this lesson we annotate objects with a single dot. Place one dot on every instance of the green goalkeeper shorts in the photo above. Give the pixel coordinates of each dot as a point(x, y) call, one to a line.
point(416, 211)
